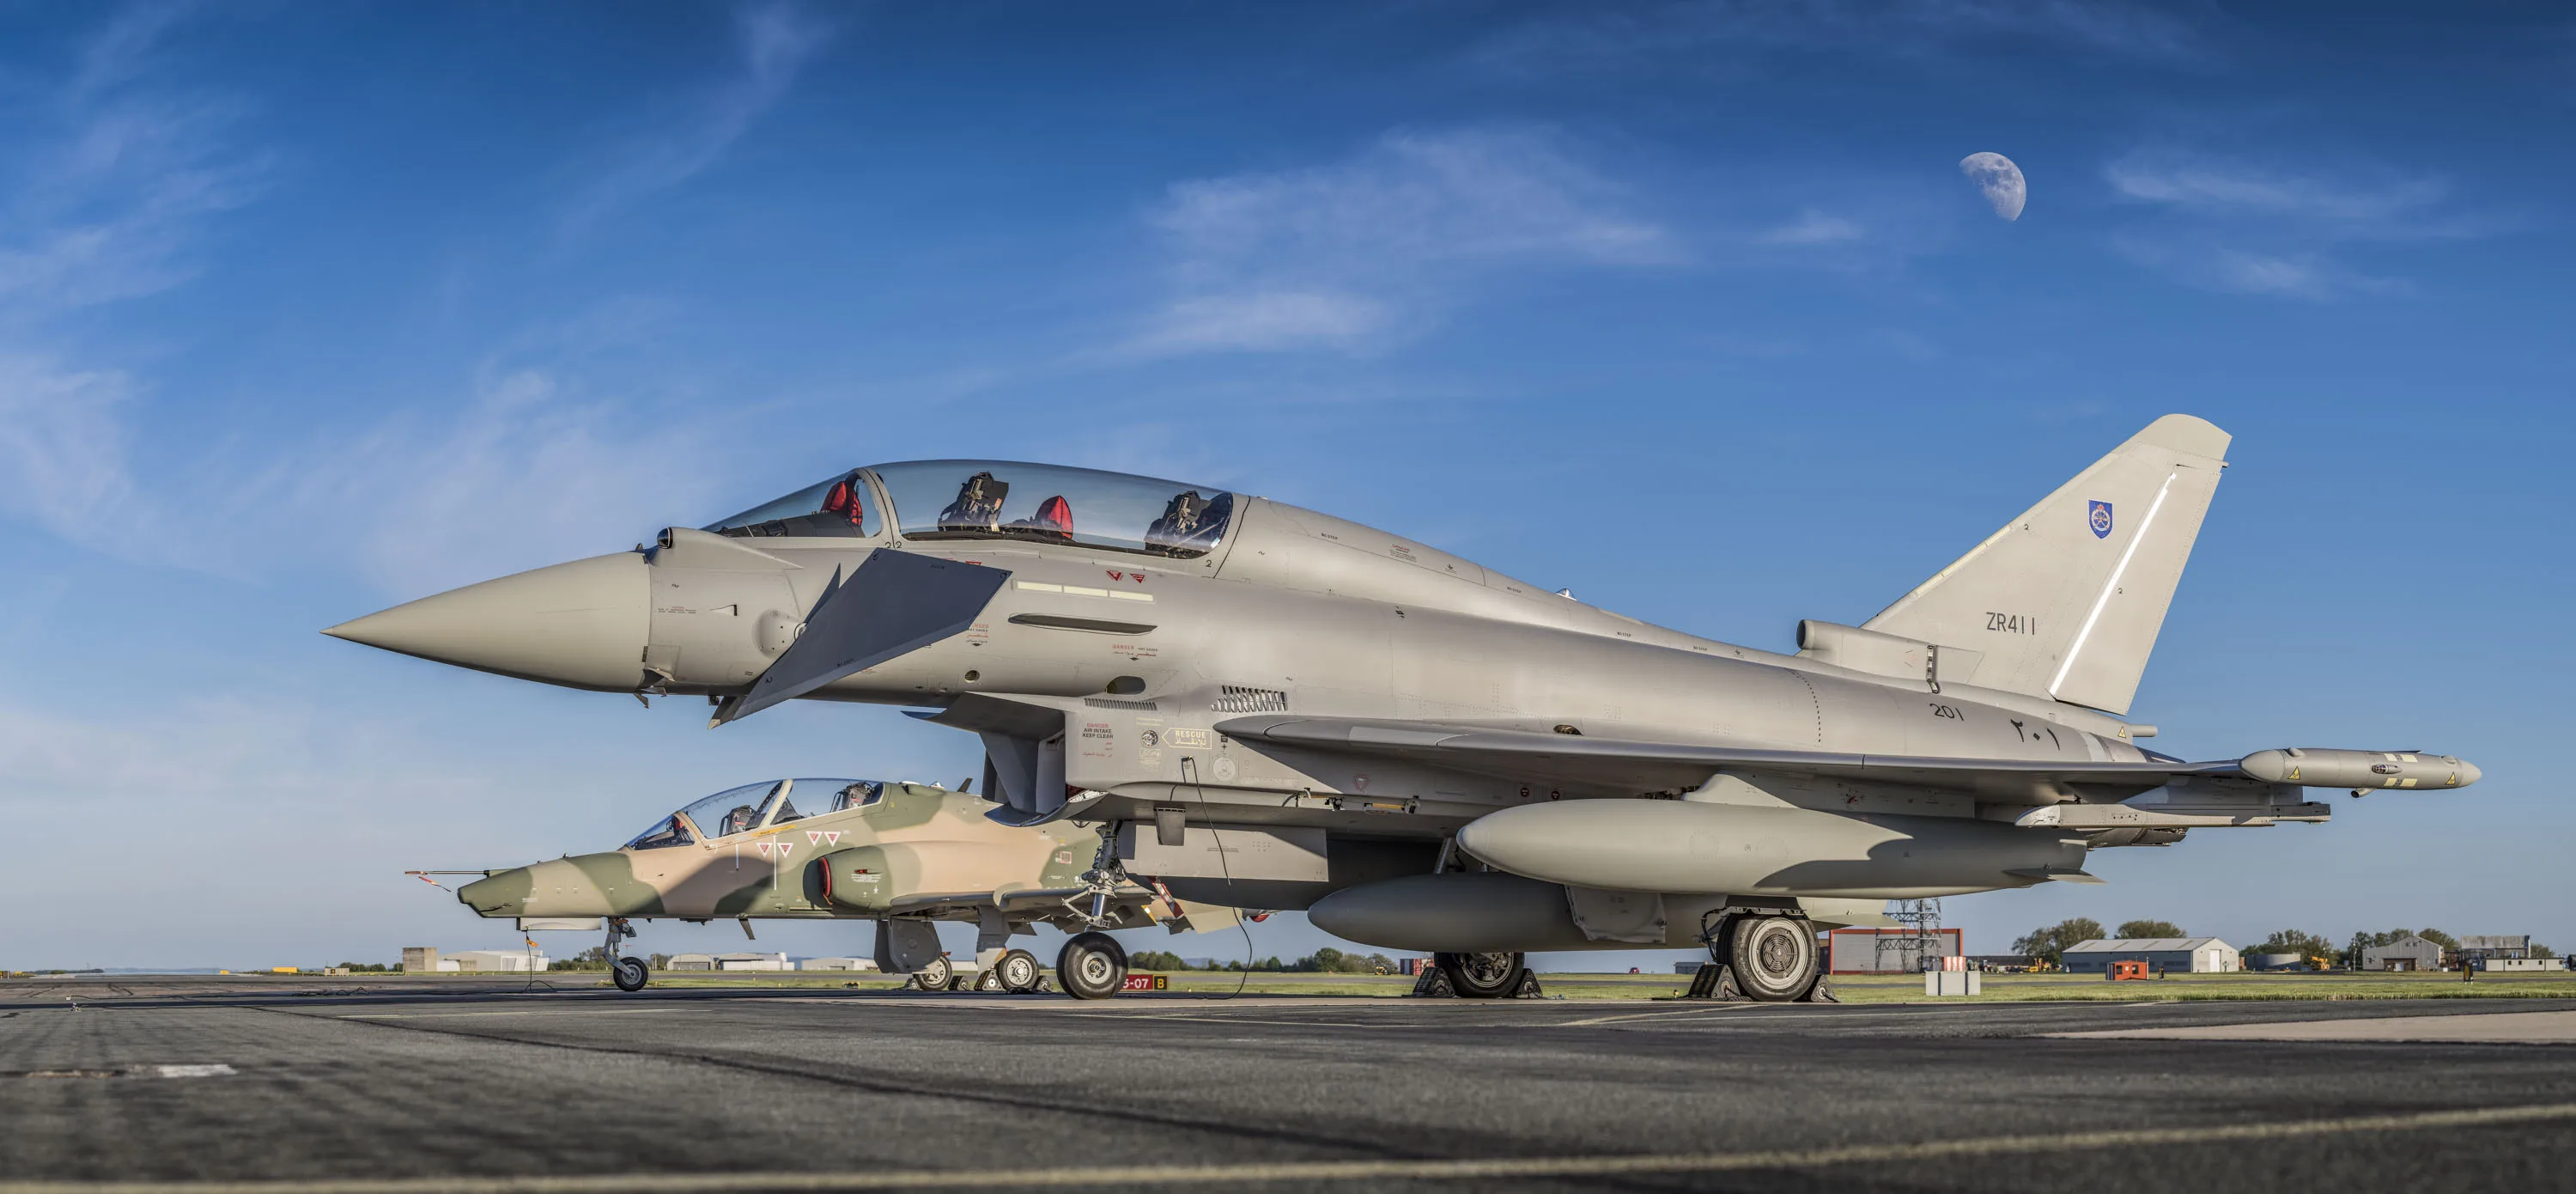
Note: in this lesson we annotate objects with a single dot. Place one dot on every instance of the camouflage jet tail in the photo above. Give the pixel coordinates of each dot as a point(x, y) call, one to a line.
point(2066, 600)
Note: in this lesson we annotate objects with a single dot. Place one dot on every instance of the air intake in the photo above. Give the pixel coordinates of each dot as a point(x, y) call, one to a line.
point(1234, 698)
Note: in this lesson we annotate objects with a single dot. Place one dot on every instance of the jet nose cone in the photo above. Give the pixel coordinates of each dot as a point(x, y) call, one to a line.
point(581, 625)
point(2469, 773)
point(503, 894)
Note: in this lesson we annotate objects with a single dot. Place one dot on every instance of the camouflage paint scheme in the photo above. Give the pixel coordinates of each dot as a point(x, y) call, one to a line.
point(916, 852)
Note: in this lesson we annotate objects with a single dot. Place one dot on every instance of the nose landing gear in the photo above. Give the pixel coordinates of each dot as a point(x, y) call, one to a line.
point(629, 973)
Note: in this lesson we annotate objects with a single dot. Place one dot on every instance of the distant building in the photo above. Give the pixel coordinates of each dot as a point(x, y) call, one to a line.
point(2181, 955)
point(869, 964)
point(2522, 964)
point(1888, 951)
point(728, 962)
point(2405, 953)
point(2480, 949)
point(2275, 962)
point(420, 959)
point(515, 961)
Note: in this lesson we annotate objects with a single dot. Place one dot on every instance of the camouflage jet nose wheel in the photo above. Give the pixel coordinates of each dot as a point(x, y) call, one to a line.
point(630, 974)
point(1092, 966)
point(935, 976)
point(1481, 976)
point(1775, 957)
point(1020, 971)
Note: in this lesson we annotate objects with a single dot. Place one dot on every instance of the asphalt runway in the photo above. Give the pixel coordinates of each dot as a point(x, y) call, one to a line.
point(394, 1087)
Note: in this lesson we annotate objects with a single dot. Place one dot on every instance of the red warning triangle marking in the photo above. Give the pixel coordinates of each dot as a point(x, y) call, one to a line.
point(833, 836)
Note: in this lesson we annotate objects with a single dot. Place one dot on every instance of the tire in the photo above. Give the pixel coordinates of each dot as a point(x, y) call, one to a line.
point(1020, 972)
point(629, 974)
point(1775, 957)
point(1482, 976)
point(1092, 966)
point(936, 975)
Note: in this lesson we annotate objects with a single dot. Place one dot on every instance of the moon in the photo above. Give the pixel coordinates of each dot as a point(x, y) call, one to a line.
point(1999, 180)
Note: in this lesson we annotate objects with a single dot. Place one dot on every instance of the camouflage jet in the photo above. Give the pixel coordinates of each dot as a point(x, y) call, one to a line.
point(1261, 705)
point(901, 854)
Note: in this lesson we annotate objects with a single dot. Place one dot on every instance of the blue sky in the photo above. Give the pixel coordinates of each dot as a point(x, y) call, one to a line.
point(305, 311)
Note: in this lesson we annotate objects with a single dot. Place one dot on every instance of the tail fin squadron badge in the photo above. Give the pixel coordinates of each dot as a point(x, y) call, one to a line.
point(2098, 516)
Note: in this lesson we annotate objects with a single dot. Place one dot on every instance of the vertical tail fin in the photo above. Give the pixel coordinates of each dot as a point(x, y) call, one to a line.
point(2066, 600)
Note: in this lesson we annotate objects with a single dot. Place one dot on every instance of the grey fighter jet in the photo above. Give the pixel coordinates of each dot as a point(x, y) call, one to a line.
point(1265, 706)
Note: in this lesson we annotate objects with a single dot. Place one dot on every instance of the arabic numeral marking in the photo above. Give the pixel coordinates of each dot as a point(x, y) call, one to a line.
point(2012, 623)
point(1948, 711)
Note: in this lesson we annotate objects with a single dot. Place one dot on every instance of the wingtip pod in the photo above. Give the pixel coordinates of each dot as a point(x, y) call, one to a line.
point(2318, 768)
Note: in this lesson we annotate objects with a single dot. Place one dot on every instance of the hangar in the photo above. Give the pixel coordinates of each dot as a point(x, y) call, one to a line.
point(2405, 953)
point(2191, 955)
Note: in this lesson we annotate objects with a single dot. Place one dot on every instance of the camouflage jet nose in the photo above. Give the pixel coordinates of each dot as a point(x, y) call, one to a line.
point(580, 625)
point(501, 893)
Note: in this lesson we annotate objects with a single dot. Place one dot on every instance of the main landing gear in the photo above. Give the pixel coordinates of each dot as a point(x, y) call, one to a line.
point(1761, 956)
point(1092, 966)
point(1478, 976)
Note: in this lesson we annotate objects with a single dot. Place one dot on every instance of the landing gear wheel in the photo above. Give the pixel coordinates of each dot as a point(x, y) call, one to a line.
point(629, 974)
point(1020, 972)
point(1775, 957)
point(935, 976)
point(1481, 976)
point(1092, 966)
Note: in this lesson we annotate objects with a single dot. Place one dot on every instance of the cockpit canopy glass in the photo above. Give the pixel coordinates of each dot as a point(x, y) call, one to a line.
point(665, 833)
point(1044, 503)
point(740, 810)
point(734, 810)
point(820, 797)
point(840, 507)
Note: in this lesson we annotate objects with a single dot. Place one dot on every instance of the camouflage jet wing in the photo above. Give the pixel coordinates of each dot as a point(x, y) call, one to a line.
point(1639, 767)
point(1133, 905)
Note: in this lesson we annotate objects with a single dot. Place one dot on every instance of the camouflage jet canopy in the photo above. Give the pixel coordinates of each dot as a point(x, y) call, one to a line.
point(901, 854)
point(1263, 705)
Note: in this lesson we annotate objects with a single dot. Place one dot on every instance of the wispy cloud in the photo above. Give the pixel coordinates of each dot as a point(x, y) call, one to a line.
point(2225, 187)
point(1344, 255)
point(528, 472)
point(2243, 226)
point(114, 177)
point(111, 179)
point(62, 444)
point(2211, 266)
point(1812, 228)
point(1611, 37)
point(775, 41)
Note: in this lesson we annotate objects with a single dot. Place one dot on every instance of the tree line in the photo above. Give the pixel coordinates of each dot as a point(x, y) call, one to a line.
point(1323, 961)
point(2050, 944)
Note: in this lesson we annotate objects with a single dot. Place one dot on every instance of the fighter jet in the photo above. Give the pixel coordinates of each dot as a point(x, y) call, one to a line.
point(902, 854)
point(1262, 705)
